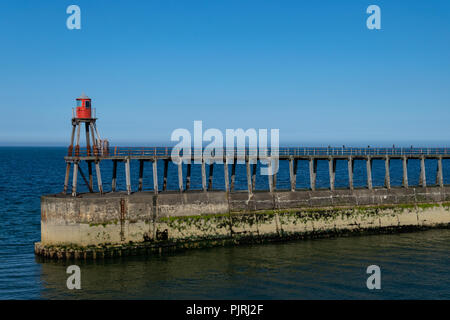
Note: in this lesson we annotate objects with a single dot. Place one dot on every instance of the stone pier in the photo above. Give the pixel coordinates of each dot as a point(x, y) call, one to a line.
point(147, 220)
point(113, 222)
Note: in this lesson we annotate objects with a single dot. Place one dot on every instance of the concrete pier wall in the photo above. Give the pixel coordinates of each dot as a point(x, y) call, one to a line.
point(158, 220)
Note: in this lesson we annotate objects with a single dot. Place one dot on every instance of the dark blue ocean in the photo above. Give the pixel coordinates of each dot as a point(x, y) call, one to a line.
point(413, 265)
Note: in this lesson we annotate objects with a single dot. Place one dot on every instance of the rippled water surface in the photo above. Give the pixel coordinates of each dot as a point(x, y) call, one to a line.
point(414, 265)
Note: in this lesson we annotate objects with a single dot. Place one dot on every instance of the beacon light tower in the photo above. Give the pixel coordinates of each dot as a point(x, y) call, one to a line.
point(83, 114)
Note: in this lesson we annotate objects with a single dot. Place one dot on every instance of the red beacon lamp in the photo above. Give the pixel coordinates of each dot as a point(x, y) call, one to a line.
point(95, 146)
point(85, 114)
point(84, 107)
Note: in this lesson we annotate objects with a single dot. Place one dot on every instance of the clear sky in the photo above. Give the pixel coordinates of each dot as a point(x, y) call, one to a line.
point(309, 68)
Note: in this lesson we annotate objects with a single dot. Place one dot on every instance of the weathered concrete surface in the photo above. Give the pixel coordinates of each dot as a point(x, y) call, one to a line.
point(160, 220)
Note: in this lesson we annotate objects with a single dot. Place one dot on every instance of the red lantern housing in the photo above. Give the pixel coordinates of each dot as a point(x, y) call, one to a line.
point(84, 107)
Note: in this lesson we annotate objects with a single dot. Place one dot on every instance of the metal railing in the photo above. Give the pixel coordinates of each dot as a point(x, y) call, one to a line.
point(282, 151)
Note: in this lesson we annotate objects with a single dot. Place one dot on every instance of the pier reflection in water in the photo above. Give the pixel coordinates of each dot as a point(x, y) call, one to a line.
point(413, 265)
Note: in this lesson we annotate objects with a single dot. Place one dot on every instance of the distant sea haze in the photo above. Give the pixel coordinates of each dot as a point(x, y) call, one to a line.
point(295, 143)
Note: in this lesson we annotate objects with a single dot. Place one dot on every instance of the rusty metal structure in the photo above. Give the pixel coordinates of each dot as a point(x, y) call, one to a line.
point(83, 115)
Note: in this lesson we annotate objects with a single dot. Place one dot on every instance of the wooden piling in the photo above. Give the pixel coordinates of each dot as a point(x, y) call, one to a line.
point(94, 142)
point(270, 175)
point(66, 179)
point(99, 177)
point(274, 176)
point(114, 176)
point(155, 175)
point(77, 145)
point(387, 175)
point(84, 179)
point(225, 175)
point(423, 177)
point(249, 176)
point(350, 172)
point(141, 174)
point(188, 176)
point(254, 168)
point(203, 175)
point(74, 179)
point(88, 147)
point(369, 172)
point(233, 174)
point(180, 176)
point(312, 173)
point(166, 168)
point(293, 172)
point(439, 173)
point(211, 172)
point(127, 175)
point(405, 172)
point(91, 181)
point(332, 171)
point(251, 170)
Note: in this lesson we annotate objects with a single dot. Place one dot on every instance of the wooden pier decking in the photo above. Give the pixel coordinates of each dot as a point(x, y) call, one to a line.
point(250, 158)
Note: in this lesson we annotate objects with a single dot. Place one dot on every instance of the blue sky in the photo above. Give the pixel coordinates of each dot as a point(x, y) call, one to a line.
point(309, 68)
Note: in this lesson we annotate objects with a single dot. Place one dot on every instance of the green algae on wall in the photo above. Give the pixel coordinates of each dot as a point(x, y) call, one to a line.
point(206, 226)
point(172, 220)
